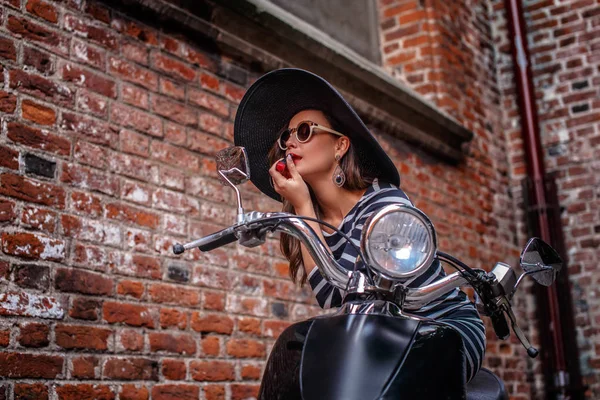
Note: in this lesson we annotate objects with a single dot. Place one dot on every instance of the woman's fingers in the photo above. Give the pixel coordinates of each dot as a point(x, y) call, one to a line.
point(292, 167)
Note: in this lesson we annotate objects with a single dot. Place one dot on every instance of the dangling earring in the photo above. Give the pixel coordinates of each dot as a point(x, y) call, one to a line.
point(339, 177)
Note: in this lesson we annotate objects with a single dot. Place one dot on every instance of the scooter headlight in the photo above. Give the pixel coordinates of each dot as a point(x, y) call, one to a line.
point(399, 241)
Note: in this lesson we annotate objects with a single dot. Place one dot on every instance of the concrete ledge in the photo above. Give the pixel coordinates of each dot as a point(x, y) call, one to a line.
point(263, 35)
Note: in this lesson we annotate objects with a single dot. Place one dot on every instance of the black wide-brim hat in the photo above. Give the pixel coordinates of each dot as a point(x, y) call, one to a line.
point(271, 102)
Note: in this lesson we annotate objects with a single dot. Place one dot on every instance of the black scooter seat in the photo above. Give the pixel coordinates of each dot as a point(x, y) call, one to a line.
point(486, 386)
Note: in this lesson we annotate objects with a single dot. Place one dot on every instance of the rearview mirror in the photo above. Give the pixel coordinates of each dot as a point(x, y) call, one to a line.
point(232, 165)
point(541, 261)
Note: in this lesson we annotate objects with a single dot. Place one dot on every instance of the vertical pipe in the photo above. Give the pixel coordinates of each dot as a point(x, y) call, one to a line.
point(536, 172)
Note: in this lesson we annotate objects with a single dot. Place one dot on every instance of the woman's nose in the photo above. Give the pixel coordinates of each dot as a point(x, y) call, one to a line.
point(291, 142)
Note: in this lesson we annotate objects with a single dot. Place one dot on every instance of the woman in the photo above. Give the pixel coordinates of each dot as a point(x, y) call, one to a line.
point(335, 171)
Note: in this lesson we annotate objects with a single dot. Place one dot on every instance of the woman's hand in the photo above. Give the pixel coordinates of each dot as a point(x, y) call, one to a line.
point(293, 189)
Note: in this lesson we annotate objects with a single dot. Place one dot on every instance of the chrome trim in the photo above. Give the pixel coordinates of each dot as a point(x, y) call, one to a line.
point(288, 223)
point(418, 297)
point(368, 228)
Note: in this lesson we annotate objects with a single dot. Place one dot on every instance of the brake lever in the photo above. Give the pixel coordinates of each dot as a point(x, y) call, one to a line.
point(531, 351)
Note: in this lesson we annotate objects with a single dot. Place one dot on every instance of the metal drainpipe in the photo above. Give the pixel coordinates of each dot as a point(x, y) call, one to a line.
point(536, 172)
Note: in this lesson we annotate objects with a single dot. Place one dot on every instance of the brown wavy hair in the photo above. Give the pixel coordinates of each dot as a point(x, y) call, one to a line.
point(356, 179)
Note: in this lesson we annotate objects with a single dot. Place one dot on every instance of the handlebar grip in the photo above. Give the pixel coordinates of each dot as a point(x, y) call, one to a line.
point(217, 239)
point(500, 325)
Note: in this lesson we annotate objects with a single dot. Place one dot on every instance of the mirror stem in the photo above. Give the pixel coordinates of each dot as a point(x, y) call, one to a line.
point(240, 212)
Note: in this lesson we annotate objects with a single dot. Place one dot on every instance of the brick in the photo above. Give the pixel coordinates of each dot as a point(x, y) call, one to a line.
point(178, 272)
point(91, 130)
point(132, 73)
point(84, 308)
point(136, 119)
point(174, 133)
point(33, 391)
point(30, 305)
point(92, 103)
point(212, 371)
point(172, 67)
point(78, 281)
point(172, 178)
point(135, 96)
point(39, 166)
point(43, 10)
point(132, 392)
point(140, 266)
point(71, 337)
point(34, 335)
point(90, 154)
point(206, 144)
point(7, 49)
point(26, 29)
point(209, 82)
point(170, 294)
point(8, 102)
point(136, 30)
point(249, 325)
point(241, 391)
point(38, 60)
point(168, 200)
point(33, 246)
point(174, 111)
point(90, 230)
point(212, 323)
point(94, 34)
point(214, 392)
point(213, 301)
point(38, 113)
point(132, 340)
point(172, 89)
point(174, 370)
point(175, 392)
point(274, 328)
point(133, 167)
point(212, 124)
point(134, 143)
point(233, 93)
point(211, 346)
point(129, 214)
point(32, 276)
point(9, 158)
point(130, 314)
point(86, 203)
point(88, 178)
point(171, 318)
point(175, 156)
point(38, 139)
point(247, 305)
point(98, 12)
point(87, 54)
point(196, 57)
point(208, 102)
point(34, 366)
point(32, 191)
point(180, 344)
point(138, 239)
point(131, 288)
point(84, 391)
point(135, 52)
point(85, 367)
point(131, 369)
point(251, 372)
point(4, 340)
point(84, 78)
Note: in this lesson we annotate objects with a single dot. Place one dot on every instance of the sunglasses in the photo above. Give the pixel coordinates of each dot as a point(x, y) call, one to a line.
point(303, 132)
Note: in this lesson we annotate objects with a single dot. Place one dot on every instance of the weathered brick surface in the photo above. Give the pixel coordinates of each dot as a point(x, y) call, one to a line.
point(110, 125)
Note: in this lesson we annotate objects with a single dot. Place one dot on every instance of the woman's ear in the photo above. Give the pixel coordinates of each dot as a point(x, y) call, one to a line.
point(342, 146)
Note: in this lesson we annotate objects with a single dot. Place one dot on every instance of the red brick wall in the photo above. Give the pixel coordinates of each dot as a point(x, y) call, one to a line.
point(457, 54)
point(109, 128)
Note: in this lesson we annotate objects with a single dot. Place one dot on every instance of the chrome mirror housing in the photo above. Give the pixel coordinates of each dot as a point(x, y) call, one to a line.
point(233, 169)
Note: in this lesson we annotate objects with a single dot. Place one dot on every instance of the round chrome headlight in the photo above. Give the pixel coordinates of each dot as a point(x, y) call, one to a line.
point(398, 241)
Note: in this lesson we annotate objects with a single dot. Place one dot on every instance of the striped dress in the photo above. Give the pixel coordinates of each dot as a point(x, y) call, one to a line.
point(453, 308)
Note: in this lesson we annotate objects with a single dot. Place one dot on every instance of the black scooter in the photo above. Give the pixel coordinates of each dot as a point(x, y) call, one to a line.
point(372, 348)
